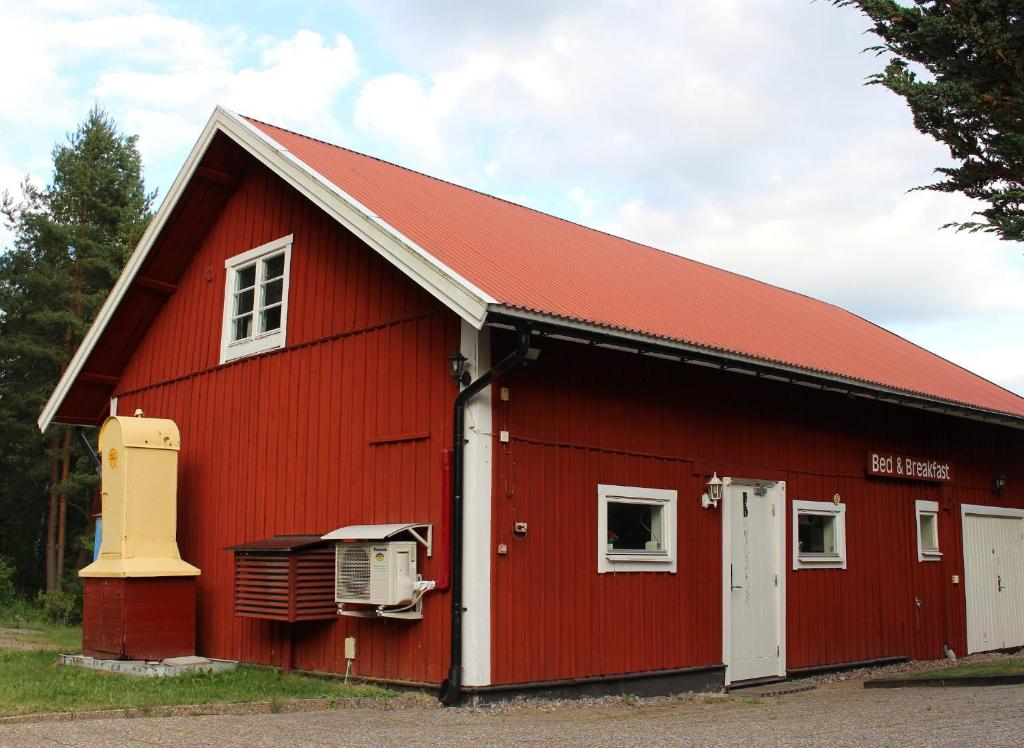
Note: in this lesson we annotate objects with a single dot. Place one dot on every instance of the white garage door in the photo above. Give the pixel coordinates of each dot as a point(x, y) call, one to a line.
point(994, 577)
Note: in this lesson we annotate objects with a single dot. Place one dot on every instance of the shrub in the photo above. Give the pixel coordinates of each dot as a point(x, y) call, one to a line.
point(62, 607)
point(7, 592)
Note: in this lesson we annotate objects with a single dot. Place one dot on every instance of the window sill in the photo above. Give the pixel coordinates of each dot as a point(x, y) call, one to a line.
point(253, 346)
point(639, 556)
point(929, 556)
point(821, 562)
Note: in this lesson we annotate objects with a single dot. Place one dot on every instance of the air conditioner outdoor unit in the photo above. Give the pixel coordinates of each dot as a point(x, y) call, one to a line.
point(376, 573)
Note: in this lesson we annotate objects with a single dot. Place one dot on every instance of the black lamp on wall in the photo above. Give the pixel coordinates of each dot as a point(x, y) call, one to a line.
point(999, 483)
point(457, 363)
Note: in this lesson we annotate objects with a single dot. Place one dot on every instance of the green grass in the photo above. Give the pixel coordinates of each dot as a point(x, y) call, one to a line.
point(50, 636)
point(18, 613)
point(1001, 666)
point(32, 682)
point(23, 614)
point(34, 627)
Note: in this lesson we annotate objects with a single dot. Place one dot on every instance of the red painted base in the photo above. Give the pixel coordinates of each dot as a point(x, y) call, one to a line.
point(139, 618)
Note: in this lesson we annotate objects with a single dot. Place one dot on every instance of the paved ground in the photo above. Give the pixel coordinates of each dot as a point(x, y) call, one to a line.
point(834, 714)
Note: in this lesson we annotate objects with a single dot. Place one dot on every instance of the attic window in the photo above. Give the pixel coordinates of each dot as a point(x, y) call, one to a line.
point(256, 300)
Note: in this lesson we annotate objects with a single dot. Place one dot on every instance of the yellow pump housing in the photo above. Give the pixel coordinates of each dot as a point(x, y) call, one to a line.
point(139, 479)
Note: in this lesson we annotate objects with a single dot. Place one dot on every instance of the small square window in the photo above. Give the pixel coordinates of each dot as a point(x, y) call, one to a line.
point(819, 535)
point(256, 300)
point(636, 529)
point(927, 530)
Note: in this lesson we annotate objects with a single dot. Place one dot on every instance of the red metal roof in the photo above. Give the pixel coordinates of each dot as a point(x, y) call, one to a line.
point(534, 261)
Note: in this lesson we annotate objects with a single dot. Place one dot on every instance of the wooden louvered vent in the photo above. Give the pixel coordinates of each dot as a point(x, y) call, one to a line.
point(285, 578)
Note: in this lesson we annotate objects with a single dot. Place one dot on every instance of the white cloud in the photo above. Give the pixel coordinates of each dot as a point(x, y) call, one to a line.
point(396, 107)
point(584, 202)
point(888, 264)
point(418, 120)
point(998, 363)
point(161, 74)
point(296, 84)
point(990, 345)
point(608, 89)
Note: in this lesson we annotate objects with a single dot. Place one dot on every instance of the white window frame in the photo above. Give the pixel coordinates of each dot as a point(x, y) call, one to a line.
point(664, 561)
point(927, 508)
point(817, 560)
point(231, 350)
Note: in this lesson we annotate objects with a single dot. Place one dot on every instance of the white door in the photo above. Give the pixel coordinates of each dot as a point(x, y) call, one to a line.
point(994, 579)
point(752, 584)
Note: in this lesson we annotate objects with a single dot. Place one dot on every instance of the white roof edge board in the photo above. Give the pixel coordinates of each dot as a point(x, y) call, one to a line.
point(131, 269)
point(454, 291)
point(932, 403)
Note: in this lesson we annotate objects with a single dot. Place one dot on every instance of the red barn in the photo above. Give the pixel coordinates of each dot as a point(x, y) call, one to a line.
point(680, 477)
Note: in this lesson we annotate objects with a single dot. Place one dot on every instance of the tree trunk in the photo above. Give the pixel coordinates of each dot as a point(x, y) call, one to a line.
point(62, 512)
point(51, 519)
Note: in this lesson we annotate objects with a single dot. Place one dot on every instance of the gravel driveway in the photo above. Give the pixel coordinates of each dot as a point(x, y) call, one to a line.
point(835, 714)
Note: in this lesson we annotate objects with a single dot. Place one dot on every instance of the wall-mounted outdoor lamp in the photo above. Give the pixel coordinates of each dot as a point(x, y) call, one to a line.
point(999, 483)
point(457, 363)
point(714, 493)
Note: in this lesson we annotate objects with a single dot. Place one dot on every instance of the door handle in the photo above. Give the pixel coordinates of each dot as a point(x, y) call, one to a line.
point(999, 584)
point(733, 586)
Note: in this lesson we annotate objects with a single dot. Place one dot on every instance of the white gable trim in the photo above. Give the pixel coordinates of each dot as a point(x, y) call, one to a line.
point(454, 291)
point(131, 269)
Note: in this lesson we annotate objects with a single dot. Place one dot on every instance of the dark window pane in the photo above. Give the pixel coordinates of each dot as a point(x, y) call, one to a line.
point(272, 292)
point(634, 527)
point(816, 533)
point(246, 277)
point(273, 267)
point(270, 319)
point(243, 327)
point(243, 301)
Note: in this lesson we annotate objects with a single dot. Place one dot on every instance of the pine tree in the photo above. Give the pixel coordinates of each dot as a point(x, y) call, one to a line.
point(71, 241)
point(960, 67)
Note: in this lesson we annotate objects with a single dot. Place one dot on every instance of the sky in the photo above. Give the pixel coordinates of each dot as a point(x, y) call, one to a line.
point(735, 132)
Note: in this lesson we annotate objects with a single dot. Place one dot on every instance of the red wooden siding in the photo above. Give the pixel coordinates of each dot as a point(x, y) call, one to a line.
point(147, 618)
point(185, 228)
point(581, 416)
point(298, 441)
point(347, 425)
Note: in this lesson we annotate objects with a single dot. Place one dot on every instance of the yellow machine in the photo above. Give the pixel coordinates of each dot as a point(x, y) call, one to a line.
point(140, 490)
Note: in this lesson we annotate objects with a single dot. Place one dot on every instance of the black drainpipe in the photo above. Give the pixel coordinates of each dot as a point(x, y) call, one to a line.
point(451, 689)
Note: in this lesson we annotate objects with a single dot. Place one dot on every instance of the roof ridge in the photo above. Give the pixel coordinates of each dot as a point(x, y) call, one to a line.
point(571, 222)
